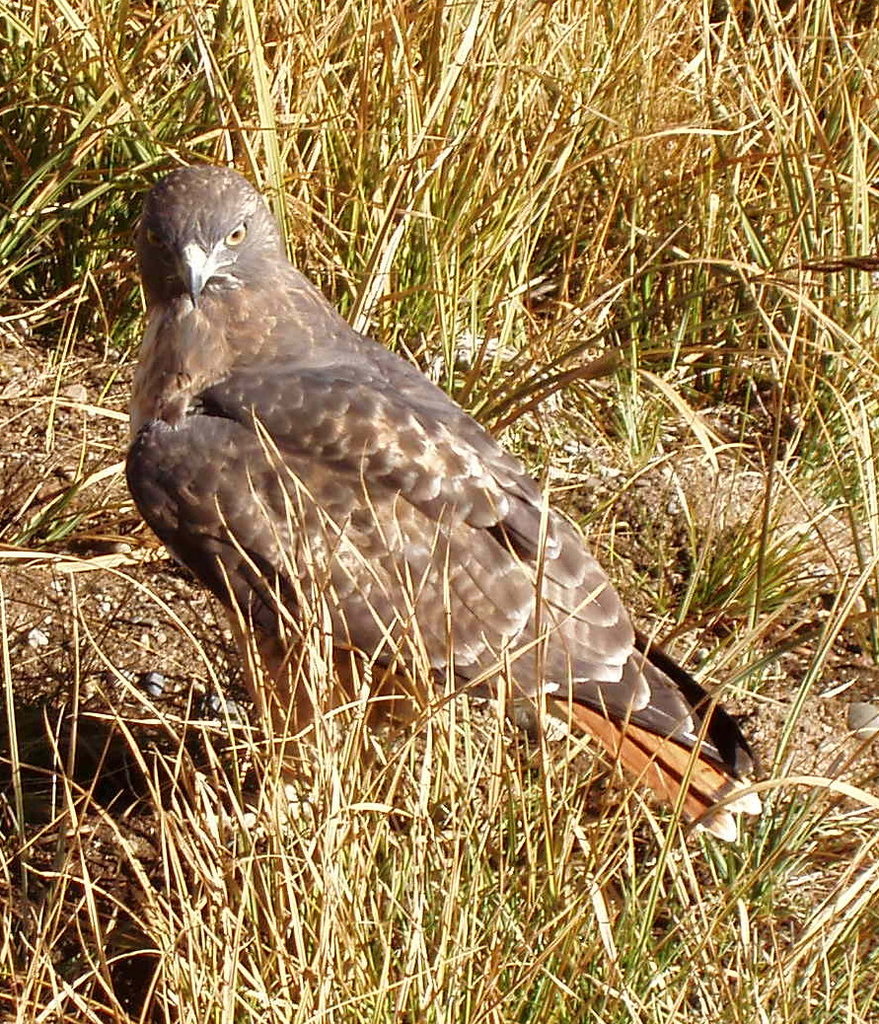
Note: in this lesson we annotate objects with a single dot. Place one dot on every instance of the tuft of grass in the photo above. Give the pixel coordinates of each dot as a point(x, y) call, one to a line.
point(596, 225)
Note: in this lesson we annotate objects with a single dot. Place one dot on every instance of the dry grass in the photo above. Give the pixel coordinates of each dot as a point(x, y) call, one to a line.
point(590, 223)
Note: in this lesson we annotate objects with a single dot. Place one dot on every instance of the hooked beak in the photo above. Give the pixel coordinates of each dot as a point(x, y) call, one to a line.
point(196, 268)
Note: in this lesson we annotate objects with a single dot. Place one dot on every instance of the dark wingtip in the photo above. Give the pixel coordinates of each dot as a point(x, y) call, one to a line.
point(722, 729)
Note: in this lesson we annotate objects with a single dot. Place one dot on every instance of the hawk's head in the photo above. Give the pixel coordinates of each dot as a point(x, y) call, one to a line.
point(203, 230)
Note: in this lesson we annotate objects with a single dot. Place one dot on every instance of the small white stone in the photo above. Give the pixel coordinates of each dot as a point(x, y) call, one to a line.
point(37, 638)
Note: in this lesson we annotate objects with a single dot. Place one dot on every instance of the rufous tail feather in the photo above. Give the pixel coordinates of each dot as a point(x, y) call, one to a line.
point(664, 765)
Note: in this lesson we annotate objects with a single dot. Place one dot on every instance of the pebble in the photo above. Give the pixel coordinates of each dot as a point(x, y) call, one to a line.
point(37, 638)
point(119, 547)
point(153, 683)
point(214, 706)
point(76, 393)
point(147, 621)
point(863, 719)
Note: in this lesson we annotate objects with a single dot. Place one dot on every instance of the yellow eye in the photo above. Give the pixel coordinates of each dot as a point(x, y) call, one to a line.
point(152, 238)
point(237, 235)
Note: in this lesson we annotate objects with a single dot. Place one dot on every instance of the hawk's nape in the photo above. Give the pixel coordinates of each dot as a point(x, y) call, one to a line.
point(283, 457)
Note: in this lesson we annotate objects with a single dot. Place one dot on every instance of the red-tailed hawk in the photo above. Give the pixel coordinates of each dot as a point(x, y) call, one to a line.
point(286, 459)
